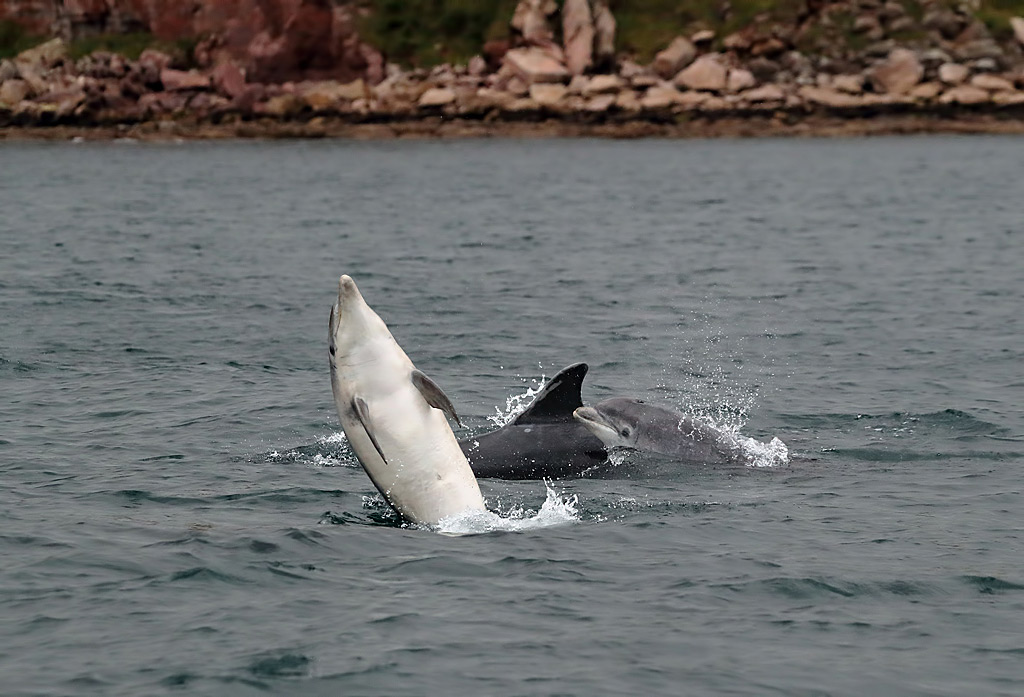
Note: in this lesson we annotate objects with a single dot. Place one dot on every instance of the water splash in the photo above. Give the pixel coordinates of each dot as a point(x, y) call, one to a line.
point(516, 404)
point(557, 509)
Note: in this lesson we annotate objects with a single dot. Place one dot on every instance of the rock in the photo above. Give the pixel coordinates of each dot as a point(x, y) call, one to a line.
point(691, 99)
point(604, 35)
point(679, 54)
point(534, 65)
point(1017, 24)
point(602, 84)
point(176, 80)
point(630, 69)
point(829, 97)
point(578, 83)
point(547, 94)
point(282, 106)
point(739, 80)
point(660, 98)
point(325, 96)
point(44, 56)
point(705, 73)
point(14, 91)
point(984, 65)
point(992, 83)
point(953, 73)
point(898, 73)
point(1008, 98)
point(739, 41)
point(703, 37)
point(477, 66)
point(965, 94)
point(158, 60)
point(642, 82)
point(577, 36)
point(949, 24)
point(926, 91)
point(765, 93)
point(530, 19)
point(627, 101)
point(493, 98)
point(902, 24)
point(851, 84)
point(764, 69)
point(979, 49)
point(518, 87)
point(8, 71)
point(866, 24)
point(437, 96)
point(228, 79)
point(768, 47)
point(600, 103)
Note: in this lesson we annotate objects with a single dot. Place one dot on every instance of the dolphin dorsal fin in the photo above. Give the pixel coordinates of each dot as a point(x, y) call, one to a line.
point(557, 400)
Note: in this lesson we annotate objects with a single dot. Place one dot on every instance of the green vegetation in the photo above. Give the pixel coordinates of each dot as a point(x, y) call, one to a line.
point(647, 26)
point(422, 33)
point(132, 45)
point(996, 15)
point(14, 39)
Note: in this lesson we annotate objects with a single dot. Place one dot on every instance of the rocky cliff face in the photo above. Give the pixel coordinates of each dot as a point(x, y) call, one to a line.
point(271, 40)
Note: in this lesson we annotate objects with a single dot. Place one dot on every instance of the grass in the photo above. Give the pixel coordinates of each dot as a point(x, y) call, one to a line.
point(14, 39)
point(422, 33)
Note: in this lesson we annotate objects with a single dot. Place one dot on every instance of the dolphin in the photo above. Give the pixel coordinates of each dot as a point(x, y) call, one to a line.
point(632, 423)
point(543, 441)
point(394, 417)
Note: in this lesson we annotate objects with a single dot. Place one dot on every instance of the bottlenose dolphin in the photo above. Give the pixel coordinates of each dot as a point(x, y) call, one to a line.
point(632, 423)
point(394, 417)
point(543, 441)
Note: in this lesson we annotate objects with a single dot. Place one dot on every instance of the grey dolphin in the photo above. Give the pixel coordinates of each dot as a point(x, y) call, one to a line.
point(632, 423)
point(543, 441)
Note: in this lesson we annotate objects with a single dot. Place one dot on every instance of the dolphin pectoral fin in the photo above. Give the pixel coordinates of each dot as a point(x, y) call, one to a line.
point(434, 395)
point(363, 414)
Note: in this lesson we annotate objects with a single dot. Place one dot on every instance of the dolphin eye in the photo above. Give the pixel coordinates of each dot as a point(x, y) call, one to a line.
point(332, 349)
point(624, 433)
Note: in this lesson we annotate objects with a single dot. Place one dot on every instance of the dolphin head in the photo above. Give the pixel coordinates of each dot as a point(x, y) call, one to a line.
point(617, 422)
point(352, 320)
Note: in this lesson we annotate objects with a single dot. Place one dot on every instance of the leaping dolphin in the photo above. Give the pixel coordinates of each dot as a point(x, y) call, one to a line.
point(543, 441)
point(394, 417)
point(632, 423)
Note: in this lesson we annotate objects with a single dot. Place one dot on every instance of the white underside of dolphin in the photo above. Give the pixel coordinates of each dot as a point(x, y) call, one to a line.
point(394, 417)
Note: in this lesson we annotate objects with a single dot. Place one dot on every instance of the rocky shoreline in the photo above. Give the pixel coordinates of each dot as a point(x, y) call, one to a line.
point(750, 83)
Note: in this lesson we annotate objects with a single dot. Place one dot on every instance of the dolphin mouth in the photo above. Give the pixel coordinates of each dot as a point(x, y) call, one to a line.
point(591, 418)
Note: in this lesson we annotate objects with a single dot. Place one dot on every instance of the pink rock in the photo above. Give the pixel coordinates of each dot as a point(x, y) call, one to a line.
point(1017, 24)
point(992, 83)
point(229, 79)
point(953, 73)
point(578, 35)
point(176, 80)
point(530, 19)
point(705, 73)
point(965, 94)
point(437, 96)
point(739, 80)
point(533, 65)
point(829, 97)
point(679, 54)
point(765, 93)
point(898, 73)
point(604, 35)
